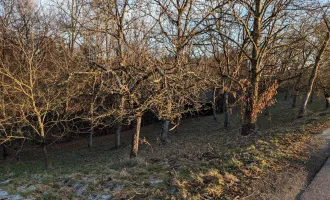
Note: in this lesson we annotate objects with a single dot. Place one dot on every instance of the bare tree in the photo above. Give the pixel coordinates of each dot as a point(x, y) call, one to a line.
point(320, 52)
point(31, 78)
point(264, 32)
point(179, 24)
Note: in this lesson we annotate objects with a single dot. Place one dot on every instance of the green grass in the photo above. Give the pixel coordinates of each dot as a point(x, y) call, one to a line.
point(200, 147)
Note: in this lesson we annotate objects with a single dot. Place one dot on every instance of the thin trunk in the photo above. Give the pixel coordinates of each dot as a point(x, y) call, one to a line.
point(214, 112)
point(312, 97)
point(67, 99)
point(3, 105)
point(118, 133)
point(42, 135)
point(226, 109)
point(164, 132)
point(302, 110)
point(120, 122)
point(107, 53)
point(250, 117)
point(286, 95)
point(73, 29)
point(18, 150)
point(44, 150)
point(166, 123)
point(5, 152)
point(136, 136)
point(327, 100)
point(294, 102)
point(91, 133)
point(214, 107)
point(99, 54)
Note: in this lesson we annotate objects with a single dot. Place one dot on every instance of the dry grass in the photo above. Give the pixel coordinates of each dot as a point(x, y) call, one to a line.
point(201, 161)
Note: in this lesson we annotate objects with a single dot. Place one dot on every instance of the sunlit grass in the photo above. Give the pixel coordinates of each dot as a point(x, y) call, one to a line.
point(202, 160)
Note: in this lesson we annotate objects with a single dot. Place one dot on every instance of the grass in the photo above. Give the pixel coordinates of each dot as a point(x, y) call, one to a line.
point(203, 160)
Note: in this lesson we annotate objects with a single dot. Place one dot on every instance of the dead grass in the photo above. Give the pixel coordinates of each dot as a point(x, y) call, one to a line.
point(203, 160)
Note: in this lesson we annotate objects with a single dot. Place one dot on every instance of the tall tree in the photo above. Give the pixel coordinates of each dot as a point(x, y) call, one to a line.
point(265, 24)
point(320, 52)
point(179, 23)
point(32, 78)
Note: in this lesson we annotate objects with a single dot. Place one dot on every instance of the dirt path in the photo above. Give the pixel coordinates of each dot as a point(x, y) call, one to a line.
point(319, 187)
point(292, 183)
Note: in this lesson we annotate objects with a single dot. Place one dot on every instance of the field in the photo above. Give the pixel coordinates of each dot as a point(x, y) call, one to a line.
point(202, 160)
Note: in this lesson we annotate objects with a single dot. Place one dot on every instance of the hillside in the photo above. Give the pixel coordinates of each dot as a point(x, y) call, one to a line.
point(201, 161)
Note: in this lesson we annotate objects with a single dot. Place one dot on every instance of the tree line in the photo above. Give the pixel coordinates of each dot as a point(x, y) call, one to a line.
point(68, 66)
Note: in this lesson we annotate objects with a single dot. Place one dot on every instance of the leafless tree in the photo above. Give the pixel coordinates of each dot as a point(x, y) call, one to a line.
point(318, 61)
point(31, 78)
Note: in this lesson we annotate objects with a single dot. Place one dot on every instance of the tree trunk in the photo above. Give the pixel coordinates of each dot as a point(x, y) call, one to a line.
point(302, 110)
point(120, 122)
point(214, 112)
point(286, 95)
point(250, 117)
point(214, 106)
point(226, 109)
point(18, 149)
point(90, 141)
point(312, 97)
point(166, 123)
point(249, 123)
point(118, 133)
point(5, 152)
point(44, 150)
point(43, 137)
point(136, 136)
point(91, 122)
point(327, 100)
point(3, 105)
point(164, 132)
point(91, 133)
point(248, 128)
point(294, 101)
point(73, 29)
